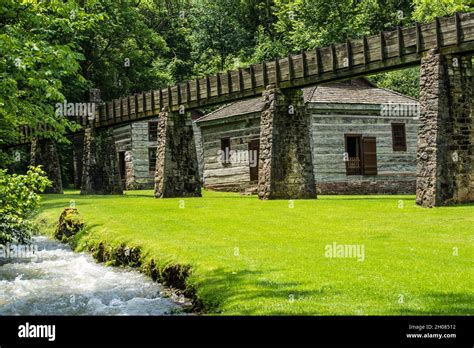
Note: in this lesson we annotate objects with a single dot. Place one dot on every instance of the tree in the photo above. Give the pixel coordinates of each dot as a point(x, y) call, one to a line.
point(36, 55)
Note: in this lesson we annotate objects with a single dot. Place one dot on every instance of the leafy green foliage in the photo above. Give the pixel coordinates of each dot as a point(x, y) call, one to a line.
point(427, 10)
point(37, 52)
point(406, 81)
point(19, 199)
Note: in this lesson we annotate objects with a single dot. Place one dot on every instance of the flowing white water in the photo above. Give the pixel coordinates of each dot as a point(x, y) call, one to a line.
point(57, 281)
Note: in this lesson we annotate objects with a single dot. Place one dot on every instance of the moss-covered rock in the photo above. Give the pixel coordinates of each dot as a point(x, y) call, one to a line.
point(69, 225)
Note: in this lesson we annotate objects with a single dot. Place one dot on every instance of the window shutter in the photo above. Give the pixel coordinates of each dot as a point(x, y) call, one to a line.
point(369, 155)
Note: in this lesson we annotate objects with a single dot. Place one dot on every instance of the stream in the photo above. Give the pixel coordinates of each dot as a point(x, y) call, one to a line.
point(57, 281)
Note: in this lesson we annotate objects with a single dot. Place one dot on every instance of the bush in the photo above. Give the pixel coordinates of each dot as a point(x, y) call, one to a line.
point(19, 199)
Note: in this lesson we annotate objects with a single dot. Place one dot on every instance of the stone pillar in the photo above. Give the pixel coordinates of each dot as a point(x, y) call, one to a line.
point(44, 153)
point(285, 164)
point(100, 168)
point(77, 149)
point(177, 172)
point(445, 171)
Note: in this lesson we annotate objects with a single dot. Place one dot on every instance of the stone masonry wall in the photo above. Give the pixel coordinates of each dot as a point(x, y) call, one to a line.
point(177, 172)
point(445, 151)
point(100, 173)
point(285, 165)
point(44, 152)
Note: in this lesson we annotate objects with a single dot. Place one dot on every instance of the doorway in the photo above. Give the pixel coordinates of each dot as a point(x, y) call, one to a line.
point(254, 154)
point(353, 154)
point(122, 166)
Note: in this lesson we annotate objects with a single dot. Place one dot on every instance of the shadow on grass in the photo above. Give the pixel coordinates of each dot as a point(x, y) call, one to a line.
point(444, 304)
point(242, 286)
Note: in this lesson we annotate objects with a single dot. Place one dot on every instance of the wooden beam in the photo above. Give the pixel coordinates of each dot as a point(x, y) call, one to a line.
point(129, 112)
point(162, 104)
point(304, 63)
point(241, 80)
point(188, 92)
point(349, 53)
point(382, 46)
point(208, 87)
point(170, 98)
point(438, 33)
point(333, 57)
point(178, 86)
point(229, 82)
point(219, 85)
point(265, 74)
point(319, 66)
point(291, 68)
point(418, 38)
point(198, 91)
point(399, 41)
point(457, 24)
point(365, 50)
point(277, 71)
point(252, 76)
point(152, 100)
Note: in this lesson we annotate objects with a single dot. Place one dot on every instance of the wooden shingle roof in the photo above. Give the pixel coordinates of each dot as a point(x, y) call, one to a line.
point(359, 91)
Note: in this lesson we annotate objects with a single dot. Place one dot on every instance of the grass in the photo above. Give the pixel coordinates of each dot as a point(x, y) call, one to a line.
point(252, 257)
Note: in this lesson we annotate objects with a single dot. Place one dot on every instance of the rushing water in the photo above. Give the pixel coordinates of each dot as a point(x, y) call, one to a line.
point(57, 281)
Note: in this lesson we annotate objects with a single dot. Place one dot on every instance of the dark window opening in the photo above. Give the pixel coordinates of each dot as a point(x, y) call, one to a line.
point(152, 159)
point(153, 130)
point(399, 140)
point(225, 148)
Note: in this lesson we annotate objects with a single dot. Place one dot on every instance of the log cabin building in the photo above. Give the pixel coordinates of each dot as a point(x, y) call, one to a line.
point(363, 141)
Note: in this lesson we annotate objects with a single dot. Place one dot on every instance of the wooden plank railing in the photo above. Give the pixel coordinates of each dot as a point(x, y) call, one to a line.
point(386, 51)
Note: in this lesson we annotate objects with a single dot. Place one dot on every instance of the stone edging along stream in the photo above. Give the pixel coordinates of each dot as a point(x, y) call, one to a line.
point(173, 277)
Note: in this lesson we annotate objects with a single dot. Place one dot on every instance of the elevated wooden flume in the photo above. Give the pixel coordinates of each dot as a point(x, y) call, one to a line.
point(386, 51)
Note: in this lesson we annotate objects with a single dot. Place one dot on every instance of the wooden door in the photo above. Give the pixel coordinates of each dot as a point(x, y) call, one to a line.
point(254, 148)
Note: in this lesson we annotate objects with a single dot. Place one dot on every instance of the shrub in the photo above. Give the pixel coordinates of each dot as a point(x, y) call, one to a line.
point(19, 199)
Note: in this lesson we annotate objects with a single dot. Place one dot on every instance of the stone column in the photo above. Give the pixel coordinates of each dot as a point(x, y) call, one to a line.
point(445, 171)
point(100, 168)
point(77, 149)
point(44, 153)
point(177, 172)
point(285, 165)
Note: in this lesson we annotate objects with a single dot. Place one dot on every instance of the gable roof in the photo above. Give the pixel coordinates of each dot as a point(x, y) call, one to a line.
point(358, 91)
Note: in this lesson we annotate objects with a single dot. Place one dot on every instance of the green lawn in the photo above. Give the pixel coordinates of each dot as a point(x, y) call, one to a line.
point(254, 257)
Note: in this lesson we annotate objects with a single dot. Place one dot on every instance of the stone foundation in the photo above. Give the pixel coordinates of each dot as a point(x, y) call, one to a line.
point(100, 170)
point(44, 153)
point(177, 172)
point(379, 187)
point(285, 164)
point(445, 171)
